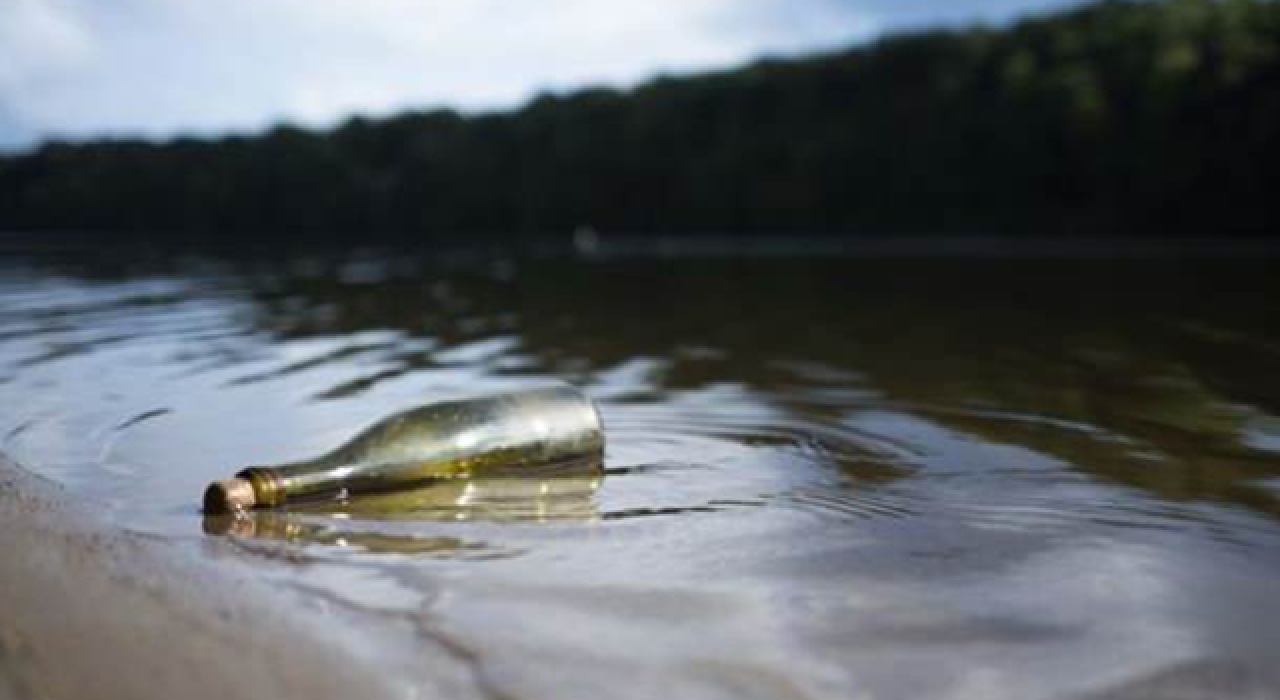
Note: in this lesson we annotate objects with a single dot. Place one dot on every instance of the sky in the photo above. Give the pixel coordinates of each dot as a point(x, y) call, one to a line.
point(158, 68)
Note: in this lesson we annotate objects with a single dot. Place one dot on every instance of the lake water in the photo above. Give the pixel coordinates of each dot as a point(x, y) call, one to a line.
point(827, 476)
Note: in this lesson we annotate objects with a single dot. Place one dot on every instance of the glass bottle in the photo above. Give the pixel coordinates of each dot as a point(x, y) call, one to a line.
point(531, 432)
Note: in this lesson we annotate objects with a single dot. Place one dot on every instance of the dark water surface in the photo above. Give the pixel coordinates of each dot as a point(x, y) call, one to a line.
point(827, 477)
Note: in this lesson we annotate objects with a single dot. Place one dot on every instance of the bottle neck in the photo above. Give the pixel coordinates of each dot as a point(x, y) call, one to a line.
point(268, 486)
point(286, 483)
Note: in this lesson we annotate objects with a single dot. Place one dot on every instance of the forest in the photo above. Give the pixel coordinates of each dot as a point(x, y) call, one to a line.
point(1119, 118)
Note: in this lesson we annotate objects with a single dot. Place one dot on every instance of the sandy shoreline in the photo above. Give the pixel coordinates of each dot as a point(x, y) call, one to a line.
point(89, 610)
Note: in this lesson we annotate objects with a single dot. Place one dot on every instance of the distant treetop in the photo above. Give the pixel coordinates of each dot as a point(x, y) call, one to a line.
point(1114, 118)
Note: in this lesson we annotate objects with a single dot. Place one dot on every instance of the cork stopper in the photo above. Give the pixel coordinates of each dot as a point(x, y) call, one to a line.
point(229, 496)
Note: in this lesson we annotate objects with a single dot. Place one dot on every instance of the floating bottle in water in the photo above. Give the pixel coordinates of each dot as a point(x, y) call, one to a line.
point(525, 432)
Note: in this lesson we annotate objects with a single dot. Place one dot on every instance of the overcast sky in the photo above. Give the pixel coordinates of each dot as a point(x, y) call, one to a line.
point(160, 67)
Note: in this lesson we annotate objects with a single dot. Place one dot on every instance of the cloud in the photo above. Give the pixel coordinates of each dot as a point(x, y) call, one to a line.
point(45, 48)
point(156, 67)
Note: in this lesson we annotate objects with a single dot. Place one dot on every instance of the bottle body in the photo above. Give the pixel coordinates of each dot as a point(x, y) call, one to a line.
point(528, 432)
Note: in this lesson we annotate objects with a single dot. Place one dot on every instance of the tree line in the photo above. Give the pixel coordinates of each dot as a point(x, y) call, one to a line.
point(1122, 117)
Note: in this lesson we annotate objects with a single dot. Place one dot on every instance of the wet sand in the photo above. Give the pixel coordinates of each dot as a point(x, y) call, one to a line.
point(93, 611)
point(89, 610)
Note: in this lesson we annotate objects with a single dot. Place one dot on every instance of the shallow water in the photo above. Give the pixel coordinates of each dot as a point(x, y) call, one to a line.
point(826, 476)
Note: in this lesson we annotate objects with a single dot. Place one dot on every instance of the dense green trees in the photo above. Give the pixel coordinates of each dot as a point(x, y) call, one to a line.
point(1115, 118)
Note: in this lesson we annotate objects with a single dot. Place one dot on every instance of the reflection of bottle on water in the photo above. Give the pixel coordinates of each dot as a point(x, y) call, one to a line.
point(564, 497)
point(567, 495)
point(526, 431)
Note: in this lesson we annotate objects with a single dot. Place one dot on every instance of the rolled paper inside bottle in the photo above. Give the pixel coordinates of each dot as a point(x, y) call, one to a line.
point(527, 433)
